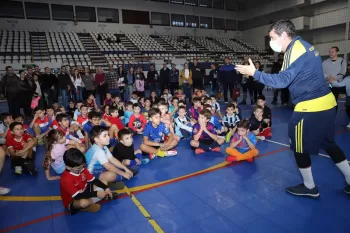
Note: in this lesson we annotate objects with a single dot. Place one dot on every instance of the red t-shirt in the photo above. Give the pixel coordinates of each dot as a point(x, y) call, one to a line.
point(137, 122)
point(108, 102)
point(72, 184)
point(18, 144)
point(44, 124)
point(54, 125)
point(105, 116)
point(65, 131)
point(10, 137)
point(116, 121)
point(82, 120)
point(91, 104)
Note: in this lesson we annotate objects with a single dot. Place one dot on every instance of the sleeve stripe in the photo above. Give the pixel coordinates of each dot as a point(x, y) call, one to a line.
point(75, 193)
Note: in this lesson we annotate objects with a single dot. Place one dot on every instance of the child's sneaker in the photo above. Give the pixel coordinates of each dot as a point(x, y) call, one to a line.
point(262, 138)
point(171, 153)
point(145, 161)
point(216, 149)
point(113, 197)
point(199, 151)
point(92, 209)
point(228, 136)
point(4, 191)
point(31, 168)
point(152, 156)
point(251, 160)
point(231, 159)
point(117, 185)
point(18, 170)
point(348, 125)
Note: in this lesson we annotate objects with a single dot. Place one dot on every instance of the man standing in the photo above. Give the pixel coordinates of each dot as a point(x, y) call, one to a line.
point(173, 79)
point(100, 84)
point(48, 86)
point(197, 75)
point(10, 89)
point(164, 78)
point(152, 79)
point(64, 83)
point(314, 104)
point(335, 67)
point(111, 79)
point(228, 77)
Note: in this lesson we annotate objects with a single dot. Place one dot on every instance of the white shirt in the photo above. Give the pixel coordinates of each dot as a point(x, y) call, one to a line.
point(78, 82)
point(38, 89)
point(187, 73)
point(96, 157)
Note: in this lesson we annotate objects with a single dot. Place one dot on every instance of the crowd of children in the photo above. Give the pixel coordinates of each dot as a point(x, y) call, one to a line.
point(91, 150)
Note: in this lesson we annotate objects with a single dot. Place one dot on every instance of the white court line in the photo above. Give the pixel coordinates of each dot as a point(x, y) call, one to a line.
point(282, 144)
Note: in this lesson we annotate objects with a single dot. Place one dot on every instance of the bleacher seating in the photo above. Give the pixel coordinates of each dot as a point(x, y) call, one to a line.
point(210, 45)
point(145, 43)
point(105, 46)
point(66, 48)
point(233, 45)
point(15, 47)
point(179, 45)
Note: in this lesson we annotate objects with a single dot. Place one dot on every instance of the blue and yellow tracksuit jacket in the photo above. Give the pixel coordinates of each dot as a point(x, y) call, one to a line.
point(302, 73)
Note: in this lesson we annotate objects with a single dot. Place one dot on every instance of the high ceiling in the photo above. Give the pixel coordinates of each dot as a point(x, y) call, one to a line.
point(246, 4)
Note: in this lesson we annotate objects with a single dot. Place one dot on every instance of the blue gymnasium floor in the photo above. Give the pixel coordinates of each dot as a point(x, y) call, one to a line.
point(238, 197)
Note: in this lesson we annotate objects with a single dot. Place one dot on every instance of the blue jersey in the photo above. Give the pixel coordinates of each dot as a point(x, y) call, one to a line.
point(96, 157)
point(88, 126)
point(155, 134)
point(214, 120)
point(127, 116)
point(302, 73)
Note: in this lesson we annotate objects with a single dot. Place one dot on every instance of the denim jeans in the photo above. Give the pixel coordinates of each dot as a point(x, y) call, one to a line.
point(128, 91)
point(79, 93)
point(64, 97)
point(114, 92)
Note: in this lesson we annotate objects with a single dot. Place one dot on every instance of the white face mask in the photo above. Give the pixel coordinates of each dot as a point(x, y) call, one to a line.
point(275, 46)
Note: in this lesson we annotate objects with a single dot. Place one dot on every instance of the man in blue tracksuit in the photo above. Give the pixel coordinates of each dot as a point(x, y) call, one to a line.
point(312, 126)
point(228, 77)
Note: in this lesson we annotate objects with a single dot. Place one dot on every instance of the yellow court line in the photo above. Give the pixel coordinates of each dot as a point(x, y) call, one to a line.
point(134, 189)
point(144, 212)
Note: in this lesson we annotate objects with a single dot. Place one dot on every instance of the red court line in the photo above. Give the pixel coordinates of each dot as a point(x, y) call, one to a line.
point(139, 191)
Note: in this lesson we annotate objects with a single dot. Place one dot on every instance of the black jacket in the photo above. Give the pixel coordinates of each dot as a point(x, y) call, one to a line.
point(197, 73)
point(10, 86)
point(47, 81)
point(276, 67)
point(164, 75)
point(174, 76)
point(64, 81)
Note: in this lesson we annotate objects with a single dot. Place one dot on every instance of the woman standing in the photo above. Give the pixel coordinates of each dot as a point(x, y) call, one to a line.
point(26, 93)
point(258, 86)
point(121, 81)
point(186, 81)
point(129, 82)
point(248, 85)
point(89, 83)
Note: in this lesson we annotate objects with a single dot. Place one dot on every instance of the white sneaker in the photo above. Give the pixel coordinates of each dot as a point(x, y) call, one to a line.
point(262, 138)
point(18, 170)
point(171, 153)
point(4, 191)
point(348, 125)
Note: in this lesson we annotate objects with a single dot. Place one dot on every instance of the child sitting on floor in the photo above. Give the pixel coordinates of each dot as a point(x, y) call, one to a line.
point(57, 144)
point(196, 108)
point(79, 189)
point(100, 161)
point(108, 101)
point(114, 118)
point(20, 148)
point(137, 121)
point(91, 103)
point(267, 115)
point(257, 124)
point(146, 108)
point(153, 137)
point(6, 120)
point(124, 150)
point(128, 112)
point(242, 146)
point(40, 124)
point(83, 118)
point(204, 134)
point(229, 121)
point(183, 125)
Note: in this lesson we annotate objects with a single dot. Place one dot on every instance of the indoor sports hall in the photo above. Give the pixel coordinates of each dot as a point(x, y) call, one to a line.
point(189, 192)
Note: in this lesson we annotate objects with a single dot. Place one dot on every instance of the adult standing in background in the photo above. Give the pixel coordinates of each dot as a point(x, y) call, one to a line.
point(121, 81)
point(89, 82)
point(197, 75)
point(100, 84)
point(64, 83)
point(247, 85)
point(335, 67)
point(164, 77)
point(129, 84)
point(186, 82)
point(25, 97)
point(29, 74)
point(10, 89)
point(229, 77)
point(314, 104)
point(48, 86)
point(276, 67)
point(214, 78)
point(258, 86)
point(173, 79)
point(111, 79)
point(153, 79)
